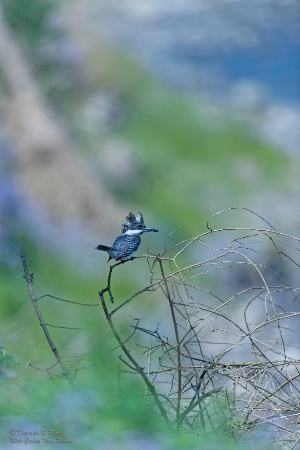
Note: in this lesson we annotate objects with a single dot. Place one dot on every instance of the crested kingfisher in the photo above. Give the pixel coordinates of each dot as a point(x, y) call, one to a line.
point(125, 245)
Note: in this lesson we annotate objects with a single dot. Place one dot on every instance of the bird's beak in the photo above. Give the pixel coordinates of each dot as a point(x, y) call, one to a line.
point(151, 229)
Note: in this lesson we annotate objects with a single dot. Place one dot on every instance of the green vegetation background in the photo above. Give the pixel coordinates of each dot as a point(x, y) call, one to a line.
point(193, 161)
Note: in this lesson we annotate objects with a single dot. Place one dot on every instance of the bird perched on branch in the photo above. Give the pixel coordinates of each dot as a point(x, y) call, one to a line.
point(125, 245)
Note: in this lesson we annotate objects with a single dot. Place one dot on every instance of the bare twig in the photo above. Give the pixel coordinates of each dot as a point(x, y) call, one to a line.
point(29, 279)
point(220, 353)
point(134, 363)
point(175, 326)
point(229, 365)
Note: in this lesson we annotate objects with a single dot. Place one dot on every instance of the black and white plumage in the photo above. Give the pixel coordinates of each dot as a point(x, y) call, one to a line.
point(133, 222)
point(125, 245)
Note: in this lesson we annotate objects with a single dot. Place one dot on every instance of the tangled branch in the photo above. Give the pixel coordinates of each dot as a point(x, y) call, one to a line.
point(226, 359)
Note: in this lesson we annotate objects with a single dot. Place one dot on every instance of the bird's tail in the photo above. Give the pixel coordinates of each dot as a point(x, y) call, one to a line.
point(104, 248)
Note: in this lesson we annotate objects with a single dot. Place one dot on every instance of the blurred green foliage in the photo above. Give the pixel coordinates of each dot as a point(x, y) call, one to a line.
point(8, 363)
point(29, 19)
point(34, 23)
point(190, 163)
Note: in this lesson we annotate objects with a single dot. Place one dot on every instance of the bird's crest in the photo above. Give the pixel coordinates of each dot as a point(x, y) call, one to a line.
point(133, 222)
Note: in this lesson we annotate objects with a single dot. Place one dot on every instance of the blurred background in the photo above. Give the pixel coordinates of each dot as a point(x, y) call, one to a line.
point(175, 109)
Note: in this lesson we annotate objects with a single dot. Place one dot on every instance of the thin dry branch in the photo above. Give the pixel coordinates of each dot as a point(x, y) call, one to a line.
point(229, 363)
point(175, 326)
point(219, 352)
point(29, 280)
point(135, 366)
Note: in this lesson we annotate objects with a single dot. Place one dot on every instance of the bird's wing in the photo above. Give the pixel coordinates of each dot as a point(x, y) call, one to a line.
point(126, 245)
